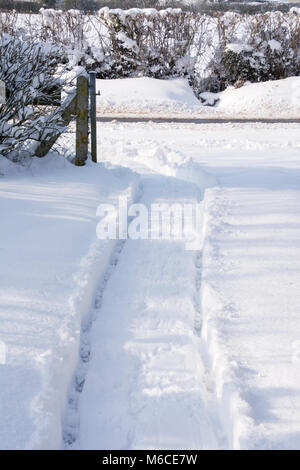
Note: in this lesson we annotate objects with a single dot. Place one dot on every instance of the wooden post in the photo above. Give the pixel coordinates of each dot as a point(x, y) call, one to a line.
point(93, 116)
point(2, 92)
point(82, 126)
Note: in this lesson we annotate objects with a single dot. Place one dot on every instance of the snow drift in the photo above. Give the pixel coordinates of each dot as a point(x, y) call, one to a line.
point(273, 99)
point(147, 96)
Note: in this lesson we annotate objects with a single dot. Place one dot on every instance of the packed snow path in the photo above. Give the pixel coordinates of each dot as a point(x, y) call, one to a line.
point(148, 385)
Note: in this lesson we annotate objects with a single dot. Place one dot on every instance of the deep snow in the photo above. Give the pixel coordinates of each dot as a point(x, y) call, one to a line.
point(248, 299)
point(145, 96)
point(50, 266)
point(278, 98)
point(145, 344)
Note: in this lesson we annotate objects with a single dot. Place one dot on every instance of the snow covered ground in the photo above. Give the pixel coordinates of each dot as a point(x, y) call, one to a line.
point(246, 388)
point(50, 266)
point(149, 96)
point(142, 343)
point(279, 98)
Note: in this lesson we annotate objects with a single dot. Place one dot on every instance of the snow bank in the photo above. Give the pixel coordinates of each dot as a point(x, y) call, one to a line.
point(147, 96)
point(250, 305)
point(273, 99)
point(173, 98)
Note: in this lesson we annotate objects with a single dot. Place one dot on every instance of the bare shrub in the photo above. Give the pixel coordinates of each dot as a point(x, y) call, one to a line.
point(8, 22)
point(30, 73)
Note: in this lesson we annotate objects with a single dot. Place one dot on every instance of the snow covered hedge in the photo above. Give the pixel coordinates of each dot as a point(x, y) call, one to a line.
point(116, 43)
point(212, 51)
point(149, 42)
point(255, 48)
point(29, 71)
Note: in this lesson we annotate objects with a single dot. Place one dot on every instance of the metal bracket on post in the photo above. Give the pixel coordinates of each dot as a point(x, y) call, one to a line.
point(93, 116)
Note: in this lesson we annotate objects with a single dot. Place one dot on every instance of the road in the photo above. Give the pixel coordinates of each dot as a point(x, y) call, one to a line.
point(182, 120)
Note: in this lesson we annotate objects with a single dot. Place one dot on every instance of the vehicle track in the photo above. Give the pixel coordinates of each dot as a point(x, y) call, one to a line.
point(143, 381)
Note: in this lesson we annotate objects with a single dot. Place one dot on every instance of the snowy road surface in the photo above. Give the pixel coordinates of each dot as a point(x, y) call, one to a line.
point(178, 349)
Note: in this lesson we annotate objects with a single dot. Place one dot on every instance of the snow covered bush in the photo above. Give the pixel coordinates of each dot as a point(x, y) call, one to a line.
point(212, 50)
point(75, 33)
point(8, 22)
point(63, 27)
point(29, 71)
point(256, 64)
point(149, 42)
point(259, 48)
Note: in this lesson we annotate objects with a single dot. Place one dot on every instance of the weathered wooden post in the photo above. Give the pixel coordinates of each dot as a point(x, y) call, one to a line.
point(93, 116)
point(2, 92)
point(82, 121)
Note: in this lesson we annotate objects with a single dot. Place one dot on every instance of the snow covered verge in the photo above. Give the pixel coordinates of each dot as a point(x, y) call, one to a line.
point(175, 98)
point(51, 262)
point(147, 96)
point(273, 99)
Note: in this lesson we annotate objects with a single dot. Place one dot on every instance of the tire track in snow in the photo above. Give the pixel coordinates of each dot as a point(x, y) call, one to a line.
point(147, 385)
point(71, 423)
point(197, 299)
point(196, 412)
point(213, 405)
